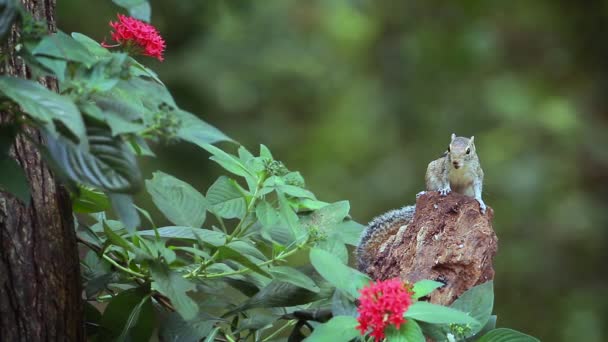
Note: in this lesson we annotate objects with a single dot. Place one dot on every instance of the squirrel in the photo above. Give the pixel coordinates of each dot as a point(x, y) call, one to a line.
point(457, 170)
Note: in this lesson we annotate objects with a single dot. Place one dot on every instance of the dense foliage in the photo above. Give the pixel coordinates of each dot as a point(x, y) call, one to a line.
point(223, 276)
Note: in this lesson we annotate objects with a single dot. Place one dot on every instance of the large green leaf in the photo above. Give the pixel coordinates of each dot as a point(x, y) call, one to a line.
point(43, 105)
point(125, 209)
point(177, 200)
point(506, 335)
point(477, 302)
point(91, 45)
point(433, 313)
point(337, 329)
point(293, 276)
point(341, 276)
point(425, 287)
point(226, 198)
point(129, 315)
point(408, 332)
point(13, 180)
point(60, 45)
point(108, 164)
point(196, 131)
point(174, 328)
point(176, 288)
point(139, 9)
point(327, 216)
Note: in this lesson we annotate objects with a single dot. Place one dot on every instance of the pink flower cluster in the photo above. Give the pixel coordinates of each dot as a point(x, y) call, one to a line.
point(383, 303)
point(137, 35)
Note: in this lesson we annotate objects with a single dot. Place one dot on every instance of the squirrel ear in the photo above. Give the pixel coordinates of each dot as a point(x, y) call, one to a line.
point(472, 139)
point(453, 136)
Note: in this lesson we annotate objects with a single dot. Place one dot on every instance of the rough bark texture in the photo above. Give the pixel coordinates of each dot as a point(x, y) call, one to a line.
point(39, 267)
point(448, 240)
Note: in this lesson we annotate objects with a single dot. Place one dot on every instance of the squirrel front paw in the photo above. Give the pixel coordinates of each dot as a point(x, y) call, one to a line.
point(420, 194)
point(445, 191)
point(482, 205)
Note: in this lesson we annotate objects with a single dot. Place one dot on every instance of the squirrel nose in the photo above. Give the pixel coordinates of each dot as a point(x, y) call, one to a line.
point(456, 165)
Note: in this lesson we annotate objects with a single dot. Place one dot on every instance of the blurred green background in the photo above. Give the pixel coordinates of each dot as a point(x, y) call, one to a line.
point(360, 95)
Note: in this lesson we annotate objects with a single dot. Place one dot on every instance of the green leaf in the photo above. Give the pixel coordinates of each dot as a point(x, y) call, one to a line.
point(341, 276)
point(226, 252)
point(425, 287)
point(133, 318)
point(212, 335)
point(60, 45)
point(327, 216)
point(130, 314)
point(91, 45)
point(335, 247)
point(247, 248)
point(266, 214)
point(433, 313)
point(348, 232)
point(478, 302)
point(279, 294)
point(490, 325)
point(291, 219)
point(176, 288)
point(227, 161)
point(43, 105)
point(293, 276)
point(122, 242)
point(8, 13)
point(188, 233)
point(408, 332)
point(343, 304)
point(89, 200)
point(177, 200)
point(108, 164)
point(198, 132)
point(125, 209)
point(506, 335)
point(139, 9)
point(337, 329)
point(226, 198)
point(265, 152)
point(13, 180)
point(175, 329)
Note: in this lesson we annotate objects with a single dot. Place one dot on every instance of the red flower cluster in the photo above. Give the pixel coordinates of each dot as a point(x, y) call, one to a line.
point(383, 303)
point(137, 35)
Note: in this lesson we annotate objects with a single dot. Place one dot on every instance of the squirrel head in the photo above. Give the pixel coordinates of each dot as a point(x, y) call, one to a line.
point(461, 150)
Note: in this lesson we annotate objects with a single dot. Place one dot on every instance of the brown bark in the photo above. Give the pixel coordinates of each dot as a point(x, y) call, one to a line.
point(39, 267)
point(448, 240)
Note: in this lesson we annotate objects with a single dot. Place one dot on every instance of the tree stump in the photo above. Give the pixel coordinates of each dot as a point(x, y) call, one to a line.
point(448, 240)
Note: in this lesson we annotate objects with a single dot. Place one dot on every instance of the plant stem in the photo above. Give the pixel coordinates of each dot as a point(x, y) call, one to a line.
point(278, 331)
point(279, 257)
point(234, 233)
point(122, 268)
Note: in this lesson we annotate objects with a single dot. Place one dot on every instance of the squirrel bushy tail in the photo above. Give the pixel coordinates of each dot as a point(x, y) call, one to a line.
point(379, 229)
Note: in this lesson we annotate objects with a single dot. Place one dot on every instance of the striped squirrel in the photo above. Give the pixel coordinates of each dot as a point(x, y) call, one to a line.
point(457, 170)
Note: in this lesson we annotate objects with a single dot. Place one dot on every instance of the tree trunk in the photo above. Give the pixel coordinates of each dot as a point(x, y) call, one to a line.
point(40, 292)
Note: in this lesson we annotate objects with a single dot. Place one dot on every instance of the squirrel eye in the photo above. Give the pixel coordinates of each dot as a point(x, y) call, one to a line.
point(468, 150)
